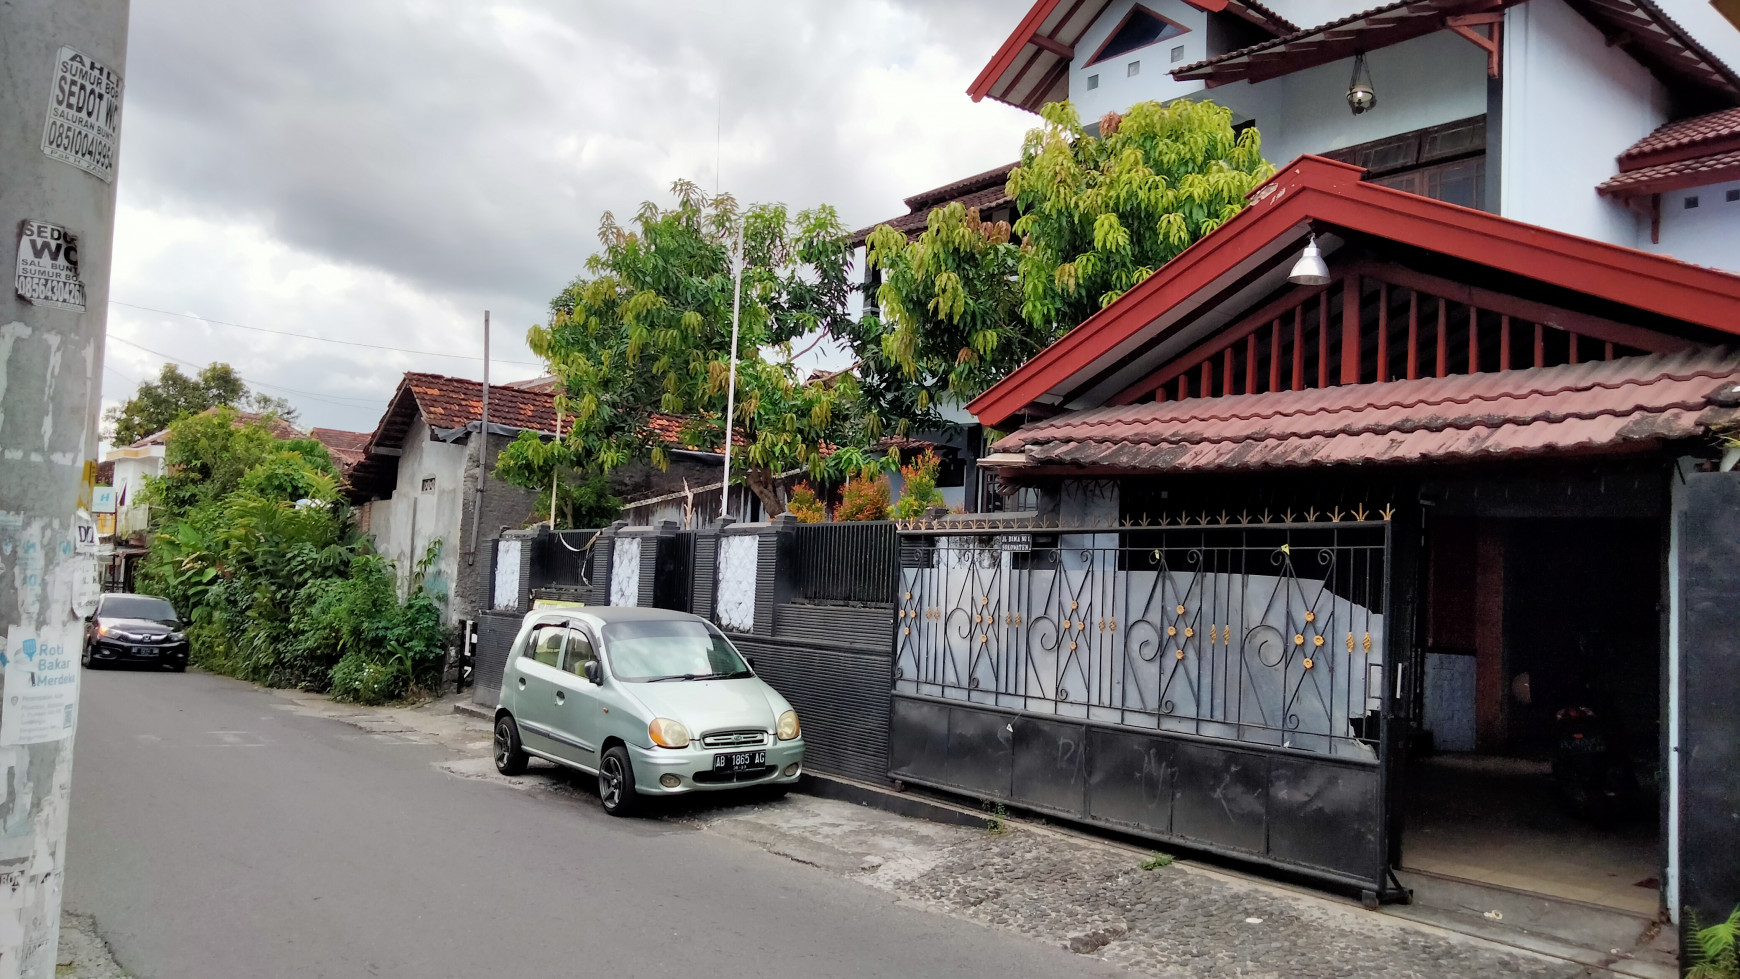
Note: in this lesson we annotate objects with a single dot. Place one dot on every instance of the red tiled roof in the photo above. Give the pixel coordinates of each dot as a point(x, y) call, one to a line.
point(1594, 407)
point(346, 448)
point(1678, 140)
point(1699, 172)
point(669, 429)
point(983, 191)
point(453, 402)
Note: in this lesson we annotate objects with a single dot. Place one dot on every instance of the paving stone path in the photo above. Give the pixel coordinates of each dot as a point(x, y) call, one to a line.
point(1171, 922)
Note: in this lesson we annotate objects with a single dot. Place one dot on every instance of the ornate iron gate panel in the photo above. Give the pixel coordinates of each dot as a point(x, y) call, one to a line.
point(1222, 684)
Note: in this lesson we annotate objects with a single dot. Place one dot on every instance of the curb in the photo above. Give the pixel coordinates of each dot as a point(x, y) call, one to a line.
point(888, 800)
point(470, 709)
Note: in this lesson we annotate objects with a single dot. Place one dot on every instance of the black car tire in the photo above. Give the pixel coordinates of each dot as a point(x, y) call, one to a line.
point(86, 660)
point(510, 758)
point(616, 783)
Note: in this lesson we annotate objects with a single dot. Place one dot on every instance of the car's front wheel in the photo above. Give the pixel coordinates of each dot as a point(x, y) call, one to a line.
point(86, 660)
point(510, 758)
point(616, 782)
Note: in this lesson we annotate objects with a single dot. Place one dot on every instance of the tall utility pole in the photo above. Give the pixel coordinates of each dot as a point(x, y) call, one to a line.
point(60, 117)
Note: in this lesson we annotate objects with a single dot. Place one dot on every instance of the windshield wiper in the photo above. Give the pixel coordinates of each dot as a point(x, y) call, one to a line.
point(673, 676)
point(701, 676)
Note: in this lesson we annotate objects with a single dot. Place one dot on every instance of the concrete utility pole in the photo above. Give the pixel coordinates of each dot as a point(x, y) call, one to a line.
point(61, 68)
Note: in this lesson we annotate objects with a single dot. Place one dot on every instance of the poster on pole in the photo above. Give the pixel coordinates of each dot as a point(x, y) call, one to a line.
point(41, 688)
point(102, 499)
point(84, 114)
point(48, 266)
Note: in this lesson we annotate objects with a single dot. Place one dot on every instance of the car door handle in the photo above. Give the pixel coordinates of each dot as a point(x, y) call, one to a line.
point(522, 683)
point(561, 698)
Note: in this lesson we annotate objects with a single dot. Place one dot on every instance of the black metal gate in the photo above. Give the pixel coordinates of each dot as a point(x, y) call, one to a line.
point(1220, 685)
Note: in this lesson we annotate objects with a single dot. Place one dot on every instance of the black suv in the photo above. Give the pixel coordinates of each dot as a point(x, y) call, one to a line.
point(134, 629)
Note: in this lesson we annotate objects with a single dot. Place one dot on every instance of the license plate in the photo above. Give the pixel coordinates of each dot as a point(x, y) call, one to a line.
point(738, 761)
point(144, 651)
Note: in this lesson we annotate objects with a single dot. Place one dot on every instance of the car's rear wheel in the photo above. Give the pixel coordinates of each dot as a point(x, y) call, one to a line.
point(616, 783)
point(510, 758)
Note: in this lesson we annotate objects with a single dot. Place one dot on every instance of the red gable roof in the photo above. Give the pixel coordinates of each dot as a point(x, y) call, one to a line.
point(1315, 193)
point(346, 448)
point(454, 402)
point(1599, 406)
point(1031, 67)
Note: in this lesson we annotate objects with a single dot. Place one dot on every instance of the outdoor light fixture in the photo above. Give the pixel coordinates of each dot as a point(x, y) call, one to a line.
point(1310, 269)
point(1361, 97)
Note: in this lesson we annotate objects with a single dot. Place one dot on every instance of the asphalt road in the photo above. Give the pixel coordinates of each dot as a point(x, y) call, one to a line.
point(216, 834)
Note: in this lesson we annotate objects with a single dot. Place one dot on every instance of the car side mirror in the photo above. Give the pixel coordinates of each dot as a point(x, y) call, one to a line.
point(593, 671)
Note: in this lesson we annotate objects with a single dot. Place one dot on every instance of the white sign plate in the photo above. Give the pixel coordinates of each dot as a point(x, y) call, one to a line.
point(87, 589)
point(84, 114)
point(103, 499)
point(84, 533)
point(42, 688)
point(48, 266)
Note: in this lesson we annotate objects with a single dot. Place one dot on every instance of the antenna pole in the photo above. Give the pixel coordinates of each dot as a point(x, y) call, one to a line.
point(731, 384)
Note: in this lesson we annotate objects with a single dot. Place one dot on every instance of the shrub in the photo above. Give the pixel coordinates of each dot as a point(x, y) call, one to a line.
point(919, 492)
point(864, 499)
point(804, 506)
point(360, 680)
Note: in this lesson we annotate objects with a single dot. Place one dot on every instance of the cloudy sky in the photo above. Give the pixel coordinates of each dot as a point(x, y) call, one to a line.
point(381, 172)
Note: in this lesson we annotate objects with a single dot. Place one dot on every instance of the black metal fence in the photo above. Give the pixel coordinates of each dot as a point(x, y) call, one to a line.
point(563, 558)
point(851, 563)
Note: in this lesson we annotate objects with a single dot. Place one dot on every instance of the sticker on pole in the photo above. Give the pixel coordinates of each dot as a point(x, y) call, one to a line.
point(84, 533)
point(41, 694)
point(48, 266)
point(84, 114)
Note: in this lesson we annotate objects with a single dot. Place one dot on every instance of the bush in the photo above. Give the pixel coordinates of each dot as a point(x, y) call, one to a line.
point(864, 499)
point(804, 506)
point(919, 492)
point(262, 558)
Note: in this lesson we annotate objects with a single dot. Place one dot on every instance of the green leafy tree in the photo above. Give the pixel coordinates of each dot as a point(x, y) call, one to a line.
point(647, 329)
point(968, 301)
point(257, 549)
point(175, 395)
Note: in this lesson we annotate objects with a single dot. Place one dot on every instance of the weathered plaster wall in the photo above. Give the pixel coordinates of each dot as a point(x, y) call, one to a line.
point(504, 505)
point(404, 524)
point(1118, 89)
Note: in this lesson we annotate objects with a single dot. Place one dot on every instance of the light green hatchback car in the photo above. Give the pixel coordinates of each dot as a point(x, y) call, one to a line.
point(653, 702)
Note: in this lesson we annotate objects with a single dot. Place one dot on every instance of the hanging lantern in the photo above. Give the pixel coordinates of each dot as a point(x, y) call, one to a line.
point(1310, 269)
point(1361, 96)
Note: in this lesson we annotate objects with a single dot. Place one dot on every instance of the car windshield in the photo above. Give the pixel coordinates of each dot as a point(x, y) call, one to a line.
point(674, 650)
point(139, 607)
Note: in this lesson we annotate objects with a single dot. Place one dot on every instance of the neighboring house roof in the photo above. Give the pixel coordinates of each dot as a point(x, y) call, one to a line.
point(277, 426)
point(549, 382)
point(1639, 26)
point(346, 448)
point(1599, 406)
point(1031, 67)
point(669, 429)
point(982, 190)
point(1243, 259)
point(1692, 152)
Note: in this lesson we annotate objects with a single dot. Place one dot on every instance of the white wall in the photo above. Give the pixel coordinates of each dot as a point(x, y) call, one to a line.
point(132, 466)
point(404, 525)
point(1117, 90)
point(1708, 234)
point(1424, 82)
point(1571, 106)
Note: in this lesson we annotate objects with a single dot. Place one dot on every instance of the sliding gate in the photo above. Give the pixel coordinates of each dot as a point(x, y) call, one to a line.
point(1223, 686)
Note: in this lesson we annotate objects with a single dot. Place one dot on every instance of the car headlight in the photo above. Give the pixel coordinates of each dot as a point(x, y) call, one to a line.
point(177, 637)
point(788, 726)
point(667, 733)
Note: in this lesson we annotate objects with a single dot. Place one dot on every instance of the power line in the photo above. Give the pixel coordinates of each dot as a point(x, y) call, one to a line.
point(310, 336)
point(339, 400)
